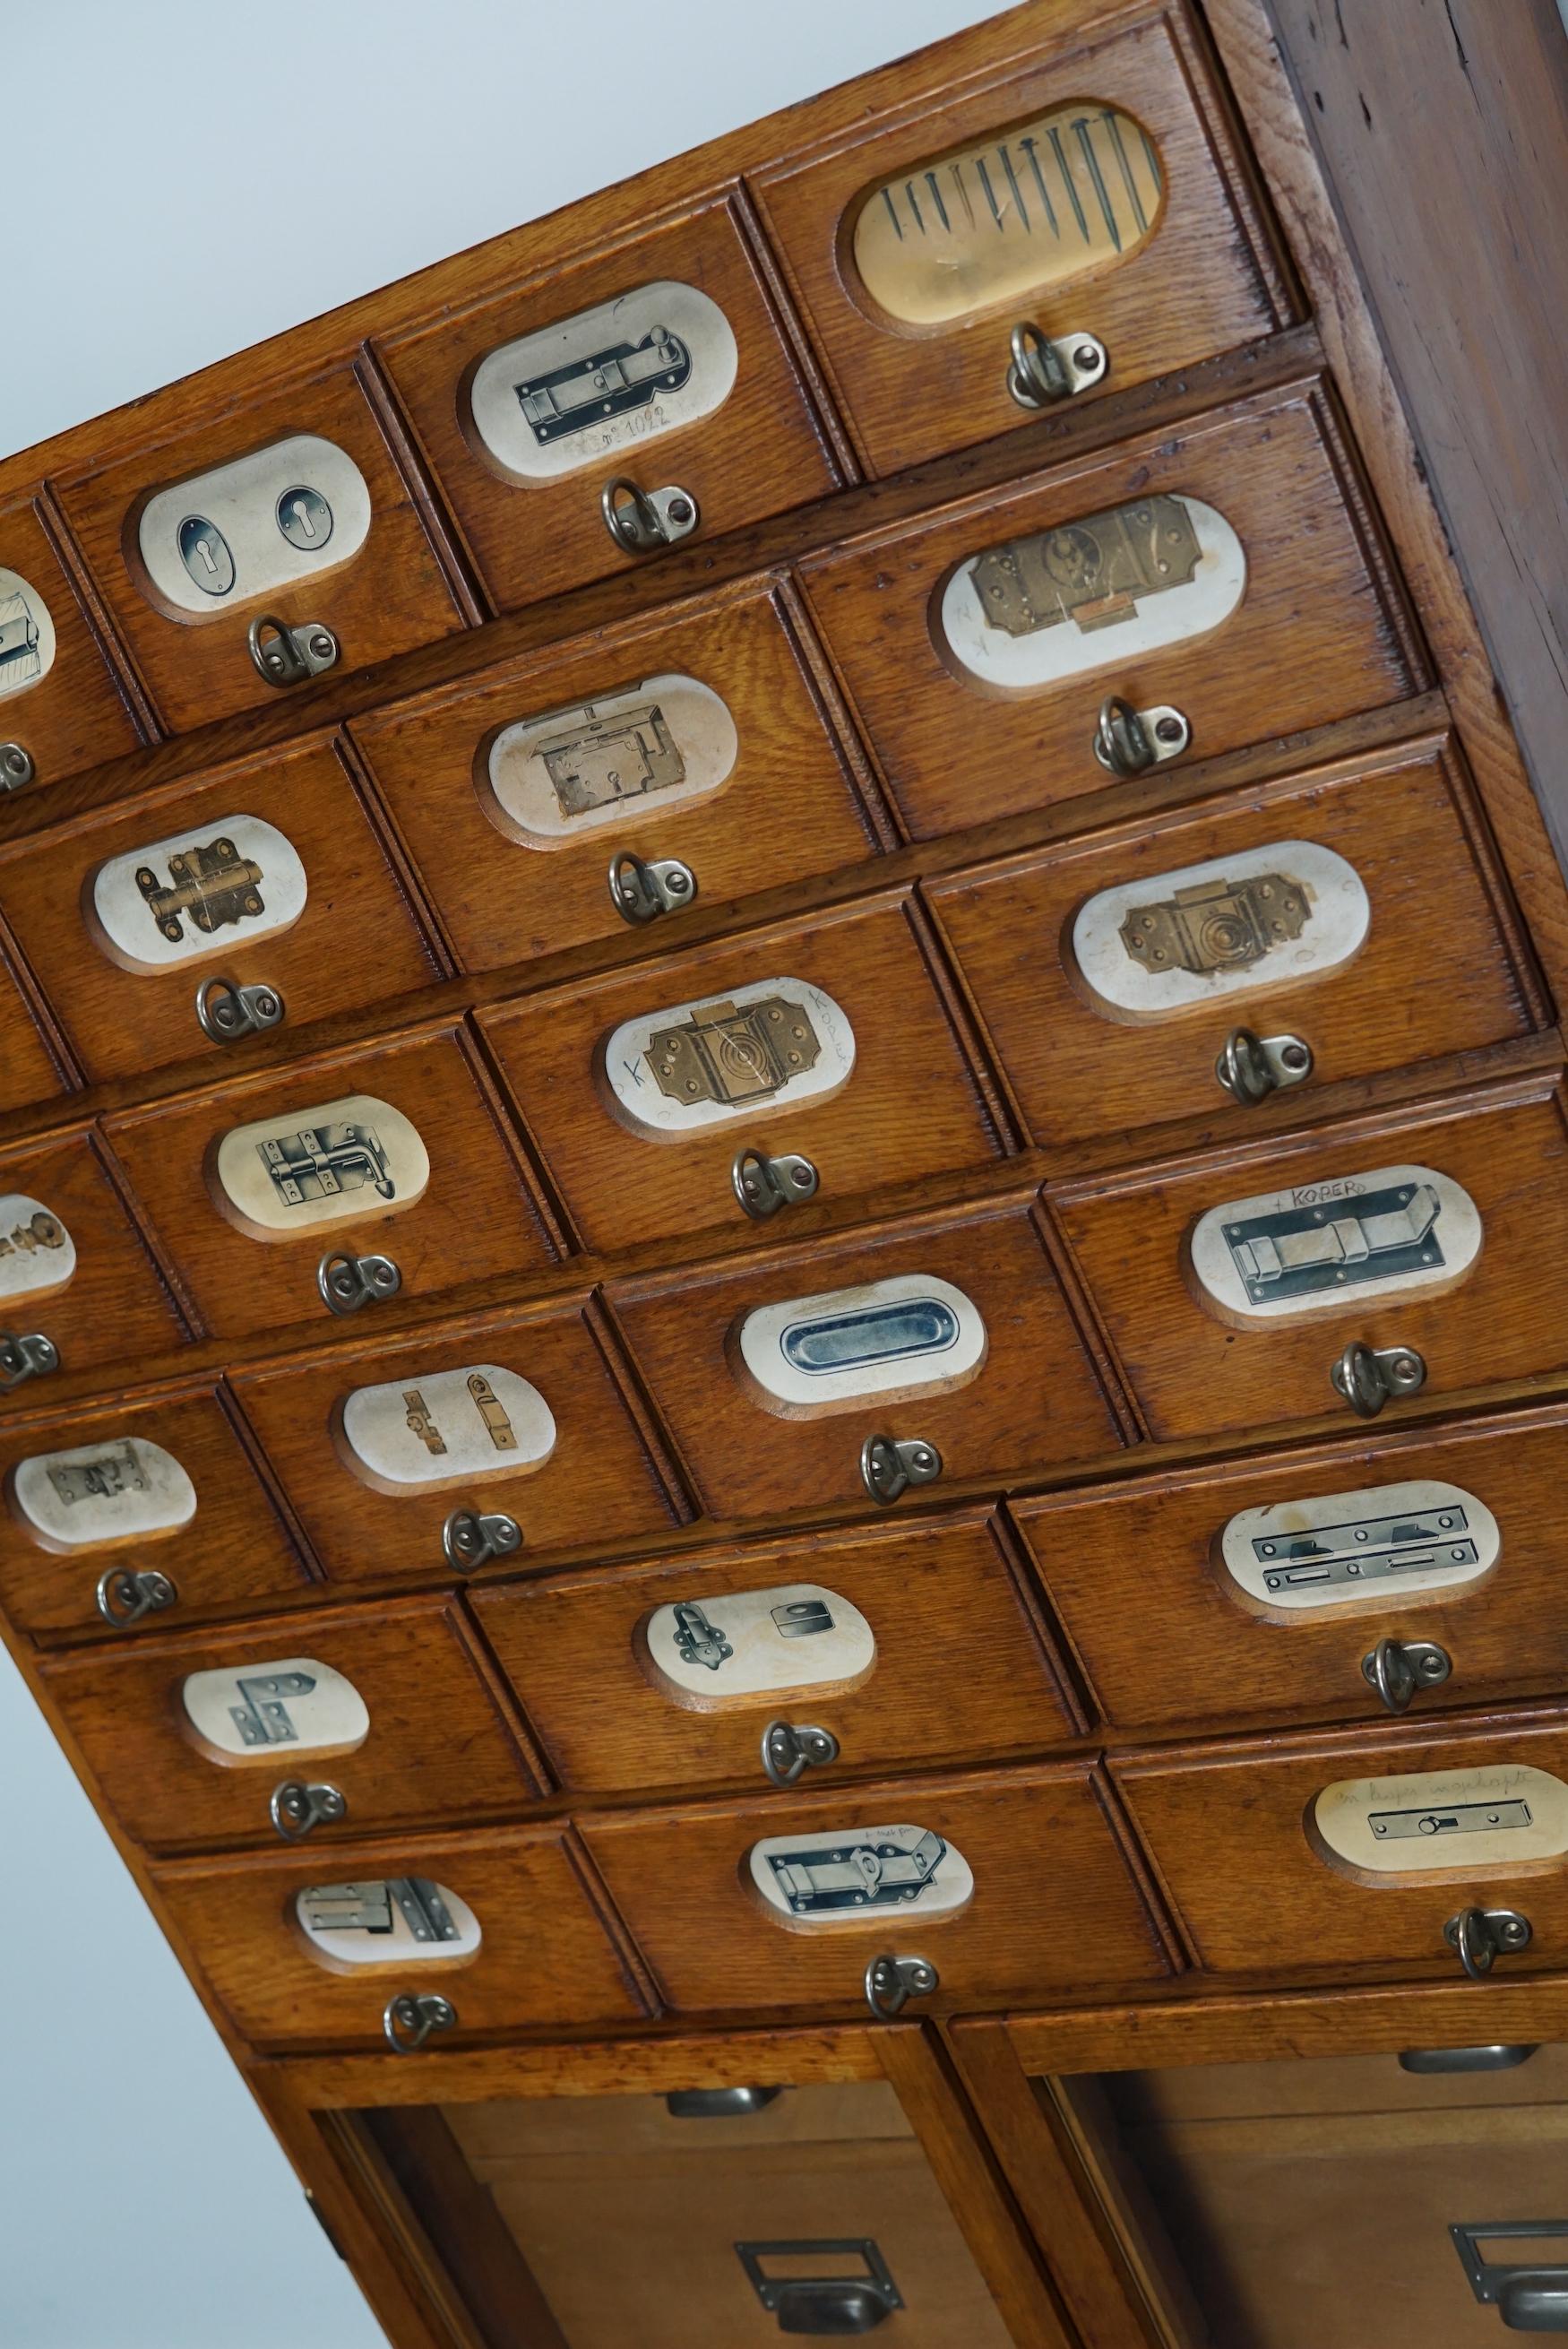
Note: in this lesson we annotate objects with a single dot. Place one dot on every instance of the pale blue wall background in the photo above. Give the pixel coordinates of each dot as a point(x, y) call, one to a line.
point(179, 179)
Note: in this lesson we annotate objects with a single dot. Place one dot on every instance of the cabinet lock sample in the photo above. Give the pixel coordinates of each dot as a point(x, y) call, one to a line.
point(447, 1428)
point(1441, 1822)
point(659, 745)
point(1385, 1233)
point(283, 1175)
point(610, 379)
point(776, 1043)
point(37, 1254)
point(791, 1639)
point(1388, 1542)
point(268, 521)
point(809, 1356)
point(387, 1921)
point(231, 883)
point(27, 635)
point(246, 1715)
point(827, 1881)
point(102, 1494)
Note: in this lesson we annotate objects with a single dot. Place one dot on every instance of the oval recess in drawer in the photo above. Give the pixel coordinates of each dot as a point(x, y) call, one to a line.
point(1439, 1820)
point(1437, 1241)
point(77, 1286)
point(396, 1153)
point(100, 1496)
point(61, 707)
point(825, 1040)
point(888, 1342)
point(908, 1643)
point(981, 645)
point(1091, 195)
point(1111, 971)
point(555, 778)
point(1011, 1393)
point(280, 515)
point(453, 1428)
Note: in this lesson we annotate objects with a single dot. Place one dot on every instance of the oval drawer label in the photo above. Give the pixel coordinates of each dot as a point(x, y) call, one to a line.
point(37, 1254)
point(1233, 927)
point(785, 1641)
point(1392, 1231)
point(253, 1712)
point(1001, 220)
point(230, 882)
point(102, 1494)
point(1108, 587)
point(299, 1172)
point(630, 370)
point(27, 635)
point(387, 1920)
point(857, 1875)
point(658, 745)
point(779, 1042)
point(1392, 1542)
point(278, 517)
point(451, 1427)
point(910, 1335)
point(1444, 1821)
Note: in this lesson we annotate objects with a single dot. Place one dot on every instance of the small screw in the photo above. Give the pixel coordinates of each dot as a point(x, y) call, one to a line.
point(680, 510)
point(1087, 358)
point(1170, 729)
point(1295, 1056)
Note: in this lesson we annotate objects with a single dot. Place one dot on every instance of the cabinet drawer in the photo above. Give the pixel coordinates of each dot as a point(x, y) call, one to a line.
point(527, 1950)
point(912, 1646)
point(1273, 1582)
point(273, 877)
point(188, 1738)
point(977, 1879)
point(72, 1267)
point(981, 687)
point(1110, 972)
point(397, 1150)
point(1330, 1239)
point(701, 738)
point(163, 1488)
point(662, 359)
point(294, 507)
point(952, 1330)
point(1269, 1879)
point(1093, 190)
point(829, 1037)
point(378, 1445)
point(28, 1071)
point(61, 705)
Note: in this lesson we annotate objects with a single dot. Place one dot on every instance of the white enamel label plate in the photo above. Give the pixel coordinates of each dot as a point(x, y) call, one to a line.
point(746, 1644)
point(449, 1427)
point(355, 1157)
point(849, 1876)
point(102, 1495)
point(1392, 1231)
point(1388, 1542)
point(37, 1254)
point(656, 746)
point(27, 635)
point(264, 1713)
point(771, 1045)
point(390, 1921)
point(228, 885)
point(282, 514)
point(910, 1335)
point(1445, 1822)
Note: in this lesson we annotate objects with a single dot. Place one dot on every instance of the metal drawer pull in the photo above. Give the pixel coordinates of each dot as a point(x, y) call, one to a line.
point(1369, 1379)
point(412, 2017)
point(1443, 2060)
point(1251, 1067)
point(642, 892)
point(471, 1540)
point(789, 1748)
point(716, 2104)
point(892, 1982)
point(823, 2305)
point(1047, 368)
point(296, 1808)
point(124, 1597)
point(1398, 1669)
point(286, 656)
point(226, 1014)
point(346, 1282)
point(764, 1185)
point(1528, 2296)
point(16, 767)
point(889, 1468)
point(641, 520)
point(23, 1355)
point(1481, 1936)
point(1127, 741)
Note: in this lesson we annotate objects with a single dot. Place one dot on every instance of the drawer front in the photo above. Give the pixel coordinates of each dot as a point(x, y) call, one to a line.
point(830, 1039)
point(975, 1876)
point(911, 1646)
point(60, 703)
point(272, 878)
point(702, 738)
point(1492, 1303)
point(377, 1446)
point(1273, 1583)
point(190, 1738)
point(528, 1950)
point(1094, 191)
point(1278, 613)
point(691, 385)
point(1110, 974)
point(163, 1488)
point(28, 1071)
point(1248, 1854)
point(192, 541)
point(72, 1267)
point(252, 1185)
point(954, 1331)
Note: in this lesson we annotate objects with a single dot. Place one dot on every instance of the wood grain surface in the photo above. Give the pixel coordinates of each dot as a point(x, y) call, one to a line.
point(116, 1307)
